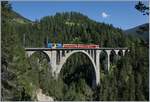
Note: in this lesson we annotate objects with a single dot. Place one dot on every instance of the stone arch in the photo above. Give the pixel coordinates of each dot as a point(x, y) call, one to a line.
point(30, 53)
point(63, 61)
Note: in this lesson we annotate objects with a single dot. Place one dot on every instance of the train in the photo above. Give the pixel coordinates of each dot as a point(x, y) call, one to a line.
point(60, 45)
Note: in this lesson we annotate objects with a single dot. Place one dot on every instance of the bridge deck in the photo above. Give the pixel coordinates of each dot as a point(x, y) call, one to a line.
point(49, 49)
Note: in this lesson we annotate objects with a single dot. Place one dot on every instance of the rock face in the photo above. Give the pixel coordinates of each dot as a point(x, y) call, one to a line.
point(43, 97)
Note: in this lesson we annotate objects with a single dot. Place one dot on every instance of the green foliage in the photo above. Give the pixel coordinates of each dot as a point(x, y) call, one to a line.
point(127, 79)
point(76, 40)
point(142, 8)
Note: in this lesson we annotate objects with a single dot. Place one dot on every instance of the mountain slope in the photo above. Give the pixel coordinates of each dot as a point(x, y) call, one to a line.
point(22, 76)
point(141, 31)
point(20, 19)
point(70, 25)
point(13, 16)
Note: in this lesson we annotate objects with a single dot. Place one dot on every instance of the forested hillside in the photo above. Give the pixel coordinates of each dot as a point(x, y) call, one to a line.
point(128, 78)
point(141, 31)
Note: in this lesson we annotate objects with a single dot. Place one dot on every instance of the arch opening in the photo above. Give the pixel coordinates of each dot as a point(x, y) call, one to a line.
point(40, 64)
point(79, 66)
point(41, 60)
point(40, 54)
point(113, 57)
point(103, 61)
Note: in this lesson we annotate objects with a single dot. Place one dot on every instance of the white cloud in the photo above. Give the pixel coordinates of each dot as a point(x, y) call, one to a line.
point(105, 15)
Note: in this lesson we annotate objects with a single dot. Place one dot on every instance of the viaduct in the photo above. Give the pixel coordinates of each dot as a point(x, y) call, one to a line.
point(58, 56)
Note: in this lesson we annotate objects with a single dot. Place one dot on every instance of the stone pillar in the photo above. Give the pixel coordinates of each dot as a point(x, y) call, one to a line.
point(98, 66)
point(123, 52)
point(29, 53)
point(117, 52)
point(108, 58)
point(57, 56)
point(93, 54)
point(60, 54)
point(52, 56)
point(127, 51)
point(53, 61)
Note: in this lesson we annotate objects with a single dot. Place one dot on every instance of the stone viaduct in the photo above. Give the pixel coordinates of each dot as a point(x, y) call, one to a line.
point(58, 57)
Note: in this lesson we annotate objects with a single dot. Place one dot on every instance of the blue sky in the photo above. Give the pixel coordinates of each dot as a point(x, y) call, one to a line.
point(120, 14)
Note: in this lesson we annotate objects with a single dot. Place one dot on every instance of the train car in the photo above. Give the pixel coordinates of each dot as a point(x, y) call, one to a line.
point(59, 45)
point(82, 46)
point(88, 46)
point(93, 46)
point(54, 45)
point(49, 45)
point(70, 45)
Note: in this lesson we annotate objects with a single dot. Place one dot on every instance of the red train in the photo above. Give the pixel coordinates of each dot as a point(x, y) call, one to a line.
point(59, 45)
point(80, 46)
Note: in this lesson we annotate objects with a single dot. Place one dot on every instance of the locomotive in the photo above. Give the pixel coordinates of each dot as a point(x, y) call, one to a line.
point(60, 45)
